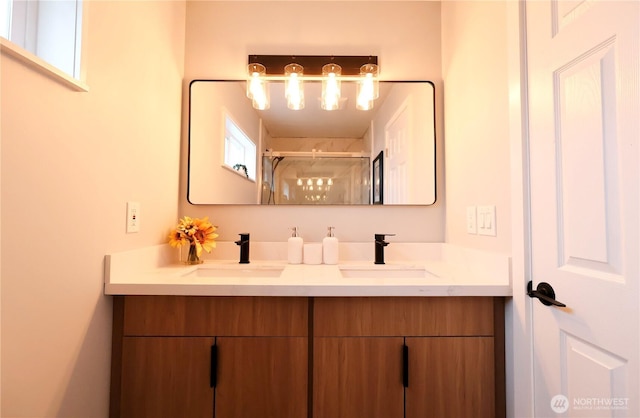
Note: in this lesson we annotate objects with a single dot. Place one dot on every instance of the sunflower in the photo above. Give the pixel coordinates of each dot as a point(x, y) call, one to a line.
point(177, 239)
point(196, 232)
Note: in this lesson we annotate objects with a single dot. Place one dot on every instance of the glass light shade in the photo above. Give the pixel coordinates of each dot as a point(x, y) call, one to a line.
point(260, 99)
point(255, 74)
point(331, 87)
point(368, 88)
point(293, 88)
point(257, 89)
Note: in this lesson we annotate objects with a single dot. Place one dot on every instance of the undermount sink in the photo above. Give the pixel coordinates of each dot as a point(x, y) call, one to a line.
point(239, 271)
point(385, 272)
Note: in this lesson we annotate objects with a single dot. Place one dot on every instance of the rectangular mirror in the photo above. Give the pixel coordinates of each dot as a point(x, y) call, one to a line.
point(278, 156)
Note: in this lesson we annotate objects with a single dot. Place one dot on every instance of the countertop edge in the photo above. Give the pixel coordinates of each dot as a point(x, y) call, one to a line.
point(427, 290)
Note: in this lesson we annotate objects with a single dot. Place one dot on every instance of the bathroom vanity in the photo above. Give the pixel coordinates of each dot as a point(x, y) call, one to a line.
point(214, 341)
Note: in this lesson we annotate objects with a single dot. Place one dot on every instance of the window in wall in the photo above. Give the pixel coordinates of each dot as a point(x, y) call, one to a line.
point(51, 30)
point(239, 150)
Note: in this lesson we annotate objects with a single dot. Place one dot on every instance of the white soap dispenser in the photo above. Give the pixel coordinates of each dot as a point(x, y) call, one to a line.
point(294, 247)
point(330, 248)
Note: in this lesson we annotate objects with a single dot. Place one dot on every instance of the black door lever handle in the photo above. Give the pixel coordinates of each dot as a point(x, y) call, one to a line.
point(545, 293)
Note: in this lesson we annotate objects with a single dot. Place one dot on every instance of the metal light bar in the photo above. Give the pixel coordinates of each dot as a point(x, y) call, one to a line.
point(274, 64)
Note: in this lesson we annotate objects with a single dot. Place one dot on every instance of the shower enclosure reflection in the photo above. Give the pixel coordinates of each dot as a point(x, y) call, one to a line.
point(298, 179)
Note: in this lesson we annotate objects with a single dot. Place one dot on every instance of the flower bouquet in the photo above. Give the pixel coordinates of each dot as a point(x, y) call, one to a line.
point(198, 234)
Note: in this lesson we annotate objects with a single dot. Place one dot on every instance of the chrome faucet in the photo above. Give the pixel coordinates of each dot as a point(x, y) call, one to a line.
point(243, 242)
point(380, 243)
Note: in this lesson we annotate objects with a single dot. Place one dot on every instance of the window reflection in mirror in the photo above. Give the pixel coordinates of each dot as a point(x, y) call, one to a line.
point(239, 150)
point(292, 144)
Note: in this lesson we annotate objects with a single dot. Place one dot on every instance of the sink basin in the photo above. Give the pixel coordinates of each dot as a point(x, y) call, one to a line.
point(237, 272)
point(385, 273)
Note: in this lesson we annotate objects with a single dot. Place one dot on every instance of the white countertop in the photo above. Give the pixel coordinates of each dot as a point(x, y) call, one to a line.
point(444, 270)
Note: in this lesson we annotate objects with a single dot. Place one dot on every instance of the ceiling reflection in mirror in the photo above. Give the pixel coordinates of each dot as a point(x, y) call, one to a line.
point(278, 156)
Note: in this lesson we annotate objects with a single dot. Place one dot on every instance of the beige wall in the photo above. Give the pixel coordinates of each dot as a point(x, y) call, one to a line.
point(406, 38)
point(474, 67)
point(70, 161)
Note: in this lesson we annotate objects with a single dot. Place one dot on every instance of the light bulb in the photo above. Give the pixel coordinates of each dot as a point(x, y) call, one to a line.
point(331, 86)
point(368, 87)
point(257, 88)
point(294, 91)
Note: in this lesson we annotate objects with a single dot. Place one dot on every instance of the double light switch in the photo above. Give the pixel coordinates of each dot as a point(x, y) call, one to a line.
point(481, 220)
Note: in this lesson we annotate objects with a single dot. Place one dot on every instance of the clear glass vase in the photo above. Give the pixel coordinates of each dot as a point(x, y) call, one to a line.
point(189, 255)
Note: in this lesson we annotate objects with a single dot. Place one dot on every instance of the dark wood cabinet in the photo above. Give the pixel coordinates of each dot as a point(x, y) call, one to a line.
point(332, 357)
point(261, 377)
point(357, 377)
point(451, 377)
point(166, 377)
point(408, 357)
point(210, 357)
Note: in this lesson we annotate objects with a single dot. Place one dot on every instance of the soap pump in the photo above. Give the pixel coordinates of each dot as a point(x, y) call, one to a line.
point(330, 247)
point(294, 247)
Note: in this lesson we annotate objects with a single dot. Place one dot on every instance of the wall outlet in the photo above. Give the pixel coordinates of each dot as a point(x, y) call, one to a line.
point(133, 217)
point(471, 220)
point(487, 220)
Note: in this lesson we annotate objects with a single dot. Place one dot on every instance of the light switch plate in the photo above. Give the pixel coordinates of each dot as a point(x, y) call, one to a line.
point(133, 217)
point(487, 220)
point(471, 220)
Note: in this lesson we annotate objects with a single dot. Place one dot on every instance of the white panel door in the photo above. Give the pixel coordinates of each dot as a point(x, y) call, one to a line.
point(583, 73)
point(397, 161)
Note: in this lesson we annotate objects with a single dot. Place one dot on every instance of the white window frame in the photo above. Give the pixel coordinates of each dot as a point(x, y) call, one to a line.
point(47, 36)
point(236, 139)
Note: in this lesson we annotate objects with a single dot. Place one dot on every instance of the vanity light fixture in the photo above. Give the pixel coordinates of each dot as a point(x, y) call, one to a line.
point(330, 70)
point(293, 89)
point(368, 89)
point(331, 87)
point(257, 89)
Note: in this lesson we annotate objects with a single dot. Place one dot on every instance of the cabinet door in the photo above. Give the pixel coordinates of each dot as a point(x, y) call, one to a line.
point(450, 377)
point(166, 377)
point(356, 377)
point(264, 377)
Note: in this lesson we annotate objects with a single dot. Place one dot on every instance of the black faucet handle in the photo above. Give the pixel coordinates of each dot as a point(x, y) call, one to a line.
point(244, 238)
point(381, 237)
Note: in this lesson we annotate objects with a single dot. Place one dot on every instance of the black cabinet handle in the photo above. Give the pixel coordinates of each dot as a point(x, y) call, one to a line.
point(213, 376)
point(405, 366)
point(545, 293)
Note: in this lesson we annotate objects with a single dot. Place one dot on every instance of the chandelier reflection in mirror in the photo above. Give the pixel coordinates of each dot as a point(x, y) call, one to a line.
point(295, 70)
